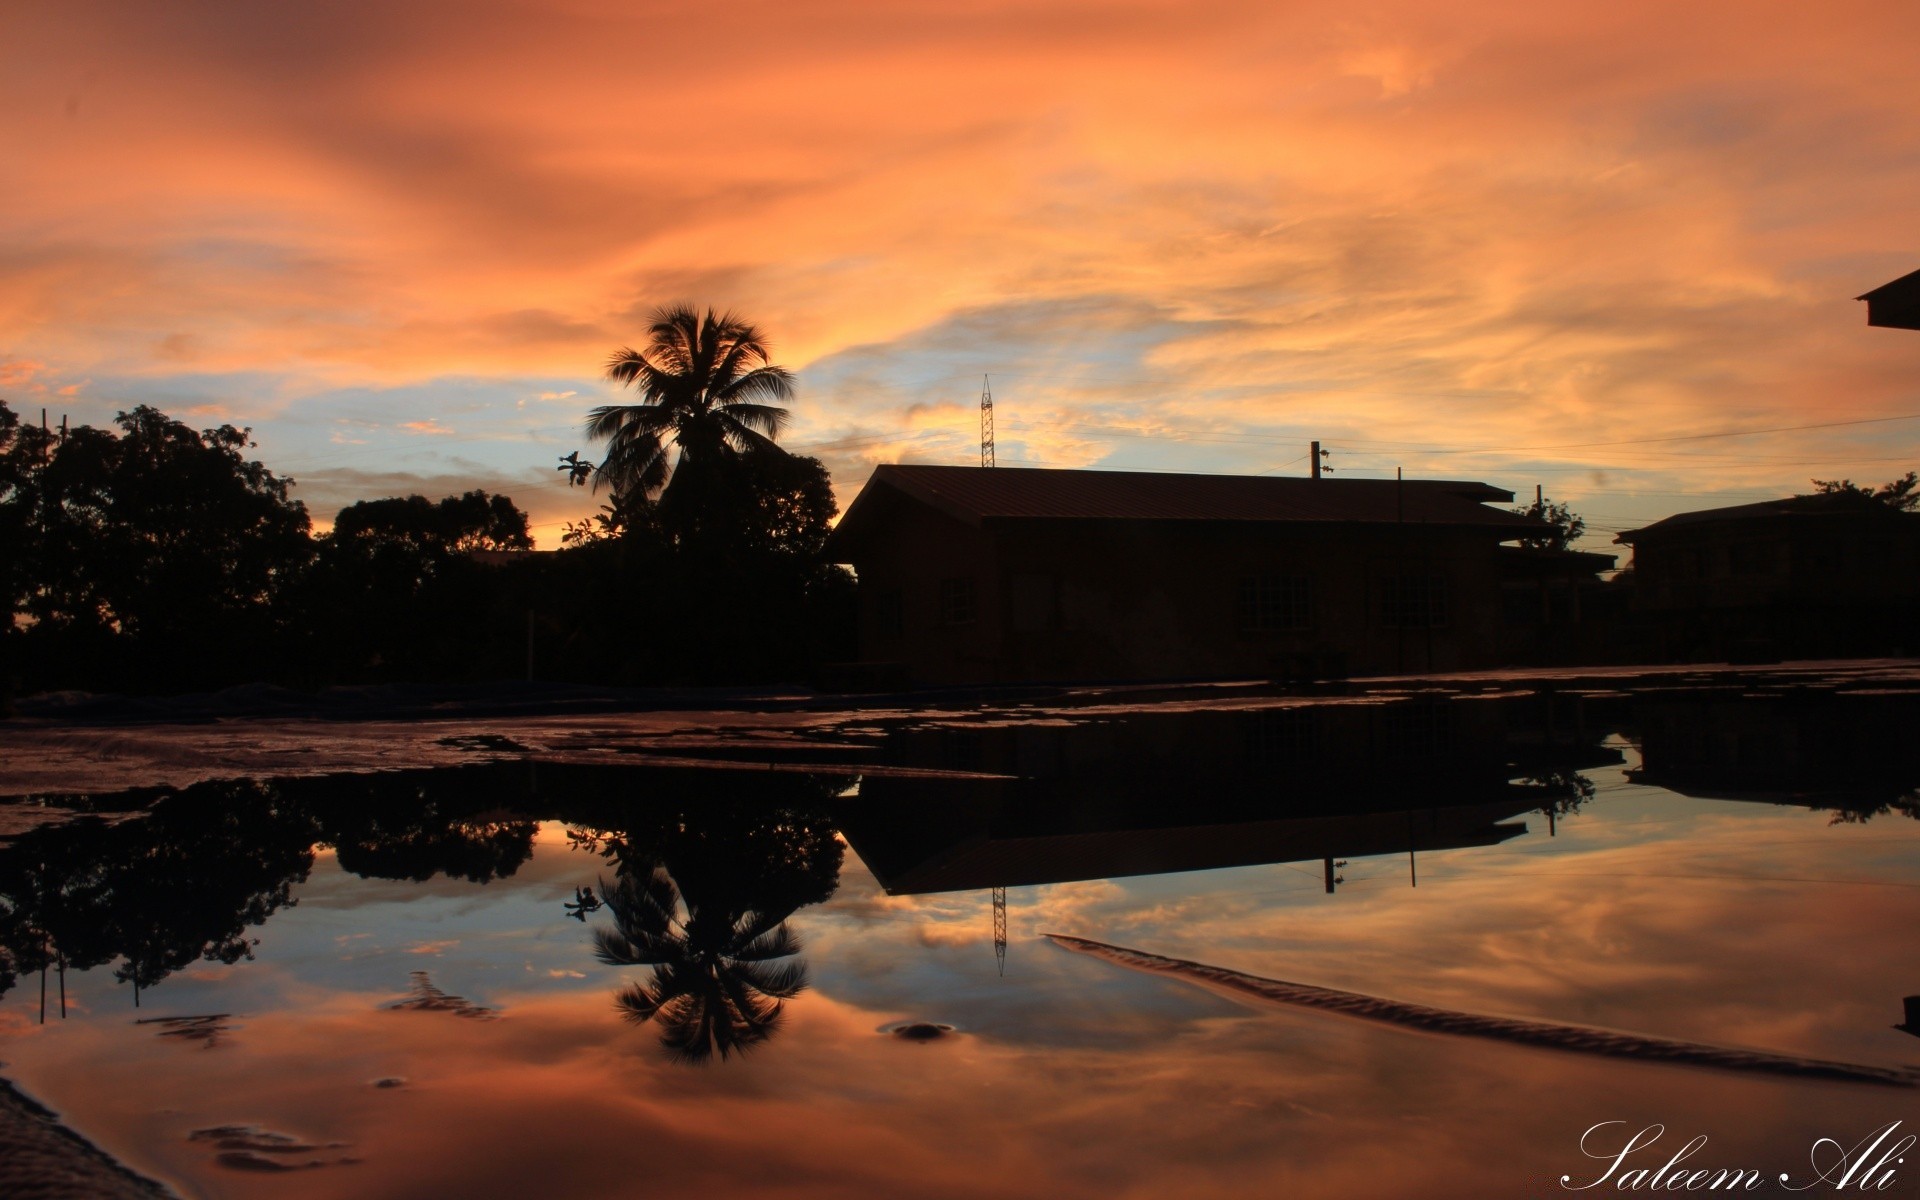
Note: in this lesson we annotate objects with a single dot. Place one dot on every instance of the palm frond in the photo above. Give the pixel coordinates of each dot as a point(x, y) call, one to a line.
point(637, 1003)
point(615, 949)
point(762, 417)
point(741, 355)
point(762, 383)
point(783, 980)
point(673, 336)
point(626, 364)
point(777, 942)
point(744, 439)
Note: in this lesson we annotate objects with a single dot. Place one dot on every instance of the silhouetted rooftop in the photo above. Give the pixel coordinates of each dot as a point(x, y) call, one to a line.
point(977, 495)
point(1826, 505)
point(1895, 305)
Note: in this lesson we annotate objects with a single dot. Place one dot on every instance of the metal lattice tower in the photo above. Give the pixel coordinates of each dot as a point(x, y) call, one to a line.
point(986, 422)
point(1000, 922)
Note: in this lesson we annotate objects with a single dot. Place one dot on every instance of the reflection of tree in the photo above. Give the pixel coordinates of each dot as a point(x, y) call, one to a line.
point(1562, 792)
point(718, 986)
point(1860, 811)
point(183, 884)
point(190, 879)
point(416, 825)
point(706, 876)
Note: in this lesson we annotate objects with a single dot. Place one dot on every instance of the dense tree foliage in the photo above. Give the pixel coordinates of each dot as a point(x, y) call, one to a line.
point(398, 594)
point(1565, 525)
point(1902, 494)
point(150, 557)
point(159, 552)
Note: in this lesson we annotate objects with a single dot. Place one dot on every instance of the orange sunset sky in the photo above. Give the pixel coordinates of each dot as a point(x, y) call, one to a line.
point(1519, 242)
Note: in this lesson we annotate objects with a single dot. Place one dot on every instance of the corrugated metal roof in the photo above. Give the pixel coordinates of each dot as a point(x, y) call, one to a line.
point(981, 494)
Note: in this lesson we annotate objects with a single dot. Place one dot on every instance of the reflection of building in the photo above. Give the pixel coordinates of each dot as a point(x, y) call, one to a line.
point(976, 575)
point(1804, 577)
point(972, 850)
point(1822, 749)
point(1147, 793)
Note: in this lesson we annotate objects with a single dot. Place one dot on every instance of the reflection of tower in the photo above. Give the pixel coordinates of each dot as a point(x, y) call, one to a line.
point(1000, 928)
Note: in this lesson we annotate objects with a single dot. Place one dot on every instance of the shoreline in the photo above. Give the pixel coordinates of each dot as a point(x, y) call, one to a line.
point(42, 1158)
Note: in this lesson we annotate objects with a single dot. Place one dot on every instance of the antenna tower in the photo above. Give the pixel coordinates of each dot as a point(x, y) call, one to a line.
point(986, 422)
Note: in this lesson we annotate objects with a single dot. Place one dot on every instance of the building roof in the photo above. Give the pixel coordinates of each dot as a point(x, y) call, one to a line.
point(1906, 285)
point(1895, 305)
point(1824, 506)
point(977, 495)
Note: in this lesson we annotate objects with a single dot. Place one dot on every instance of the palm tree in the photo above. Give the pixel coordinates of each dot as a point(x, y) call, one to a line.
point(705, 383)
point(716, 986)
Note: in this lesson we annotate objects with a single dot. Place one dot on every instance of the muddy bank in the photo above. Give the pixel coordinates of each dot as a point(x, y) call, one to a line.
point(41, 1159)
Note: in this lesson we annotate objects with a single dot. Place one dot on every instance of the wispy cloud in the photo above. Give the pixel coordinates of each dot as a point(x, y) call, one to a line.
point(1472, 231)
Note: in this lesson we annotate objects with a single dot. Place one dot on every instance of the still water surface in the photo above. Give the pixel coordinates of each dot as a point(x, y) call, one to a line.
point(388, 985)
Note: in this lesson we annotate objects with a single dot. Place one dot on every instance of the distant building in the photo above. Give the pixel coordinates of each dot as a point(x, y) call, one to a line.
point(1824, 576)
point(972, 574)
point(1895, 305)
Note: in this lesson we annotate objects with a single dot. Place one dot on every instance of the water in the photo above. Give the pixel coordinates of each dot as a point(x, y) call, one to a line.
point(375, 985)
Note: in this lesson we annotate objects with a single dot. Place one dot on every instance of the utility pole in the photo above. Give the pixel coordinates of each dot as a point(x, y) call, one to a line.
point(1318, 458)
point(986, 421)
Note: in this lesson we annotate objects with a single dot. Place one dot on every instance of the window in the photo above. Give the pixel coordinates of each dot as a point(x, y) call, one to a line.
point(1271, 603)
point(1413, 601)
point(957, 602)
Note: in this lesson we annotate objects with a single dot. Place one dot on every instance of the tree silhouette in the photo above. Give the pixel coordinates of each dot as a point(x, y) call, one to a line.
point(705, 384)
point(152, 552)
point(1566, 525)
point(718, 986)
point(1899, 494)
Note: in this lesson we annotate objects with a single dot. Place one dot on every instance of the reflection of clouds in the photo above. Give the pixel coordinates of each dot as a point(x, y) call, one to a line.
point(1226, 1105)
point(1069, 1078)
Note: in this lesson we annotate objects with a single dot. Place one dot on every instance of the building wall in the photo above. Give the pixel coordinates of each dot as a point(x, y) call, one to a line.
point(1794, 587)
point(1079, 600)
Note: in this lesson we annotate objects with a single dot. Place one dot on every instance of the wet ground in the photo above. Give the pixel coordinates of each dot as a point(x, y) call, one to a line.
point(1413, 938)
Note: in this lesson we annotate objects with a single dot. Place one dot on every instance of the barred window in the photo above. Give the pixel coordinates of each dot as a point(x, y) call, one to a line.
point(957, 602)
point(1413, 601)
point(1270, 603)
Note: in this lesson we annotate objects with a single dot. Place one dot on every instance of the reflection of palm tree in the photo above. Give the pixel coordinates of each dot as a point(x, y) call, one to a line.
point(717, 987)
point(703, 383)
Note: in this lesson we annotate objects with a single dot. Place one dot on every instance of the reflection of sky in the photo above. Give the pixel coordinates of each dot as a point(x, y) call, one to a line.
point(1716, 921)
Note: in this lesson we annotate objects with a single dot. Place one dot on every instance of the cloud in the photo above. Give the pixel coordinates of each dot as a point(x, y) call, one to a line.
point(1427, 237)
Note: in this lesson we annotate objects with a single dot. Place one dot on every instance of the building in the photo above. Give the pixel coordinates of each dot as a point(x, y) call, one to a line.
point(977, 575)
point(1823, 576)
point(1895, 305)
